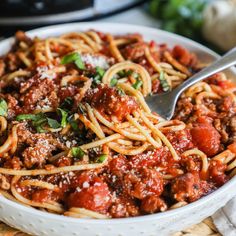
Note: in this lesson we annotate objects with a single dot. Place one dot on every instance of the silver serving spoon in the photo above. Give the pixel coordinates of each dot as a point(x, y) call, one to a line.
point(164, 104)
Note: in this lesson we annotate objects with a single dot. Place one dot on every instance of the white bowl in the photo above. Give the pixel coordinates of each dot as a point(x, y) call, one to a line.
point(41, 223)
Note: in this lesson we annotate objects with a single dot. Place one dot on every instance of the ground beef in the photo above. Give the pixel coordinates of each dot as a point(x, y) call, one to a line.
point(40, 146)
point(152, 204)
point(134, 51)
point(12, 106)
point(180, 140)
point(184, 109)
point(39, 90)
point(189, 187)
point(232, 129)
point(124, 207)
point(145, 183)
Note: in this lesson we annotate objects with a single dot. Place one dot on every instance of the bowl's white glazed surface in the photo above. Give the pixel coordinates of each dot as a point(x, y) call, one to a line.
point(40, 223)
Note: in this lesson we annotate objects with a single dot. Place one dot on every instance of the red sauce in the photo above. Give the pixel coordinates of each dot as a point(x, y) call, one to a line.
point(109, 102)
point(41, 195)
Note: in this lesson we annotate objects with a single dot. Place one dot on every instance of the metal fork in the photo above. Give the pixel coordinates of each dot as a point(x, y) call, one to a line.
point(164, 104)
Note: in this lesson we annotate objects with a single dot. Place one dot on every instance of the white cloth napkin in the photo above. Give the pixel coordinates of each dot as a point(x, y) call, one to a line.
point(225, 219)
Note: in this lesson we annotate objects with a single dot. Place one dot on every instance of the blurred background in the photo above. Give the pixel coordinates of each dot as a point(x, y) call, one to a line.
point(210, 22)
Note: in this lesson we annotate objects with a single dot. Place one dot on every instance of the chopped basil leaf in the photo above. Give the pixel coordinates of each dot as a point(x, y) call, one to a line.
point(70, 58)
point(102, 158)
point(37, 120)
point(79, 63)
point(25, 117)
point(164, 83)
point(63, 117)
point(113, 82)
point(53, 123)
point(40, 129)
point(77, 152)
point(3, 107)
point(73, 123)
point(125, 73)
point(99, 74)
point(121, 73)
point(100, 71)
point(73, 57)
point(137, 84)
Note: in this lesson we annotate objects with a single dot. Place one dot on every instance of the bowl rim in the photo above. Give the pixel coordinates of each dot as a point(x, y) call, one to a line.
point(156, 216)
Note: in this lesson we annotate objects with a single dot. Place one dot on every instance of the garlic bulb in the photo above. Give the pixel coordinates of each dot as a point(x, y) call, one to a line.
point(220, 23)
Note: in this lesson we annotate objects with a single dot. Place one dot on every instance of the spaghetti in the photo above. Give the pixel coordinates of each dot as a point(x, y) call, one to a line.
point(77, 137)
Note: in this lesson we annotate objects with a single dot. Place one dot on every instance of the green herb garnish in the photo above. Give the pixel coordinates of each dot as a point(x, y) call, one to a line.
point(80, 64)
point(73, 123)
point(64, 115)
point(70, 58)
point(26, 117)
point(125, 73)
point(100, 71)
point(165, 85)
point(99, 74)
point(137, 84)
point(3, 107)
point(38, 120)
point(102, 158)
point(77, 152)
point(73, 57)
point(113, 82)
point(53, 123)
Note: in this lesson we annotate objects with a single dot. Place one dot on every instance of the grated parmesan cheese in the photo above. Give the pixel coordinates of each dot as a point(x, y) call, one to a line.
point(95, 61)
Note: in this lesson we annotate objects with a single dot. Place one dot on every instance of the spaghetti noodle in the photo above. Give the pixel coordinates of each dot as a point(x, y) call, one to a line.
point(77, 137)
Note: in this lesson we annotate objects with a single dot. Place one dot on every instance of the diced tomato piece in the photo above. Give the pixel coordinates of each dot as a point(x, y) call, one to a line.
point(206, 138)
point(182, 54)
point(92, 193)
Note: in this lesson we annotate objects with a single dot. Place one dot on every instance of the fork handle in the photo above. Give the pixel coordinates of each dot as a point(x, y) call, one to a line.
point(226, 61)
